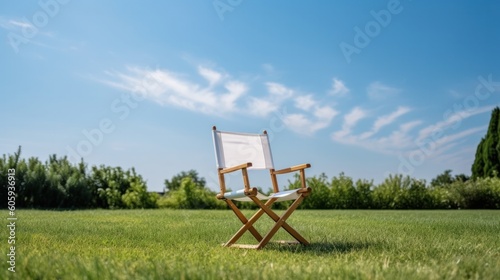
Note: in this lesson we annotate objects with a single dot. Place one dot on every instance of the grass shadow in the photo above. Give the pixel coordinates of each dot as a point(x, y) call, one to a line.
point(321, 248)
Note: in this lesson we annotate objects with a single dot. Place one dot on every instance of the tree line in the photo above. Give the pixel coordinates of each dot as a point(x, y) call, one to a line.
point(59, 184)
point(342, 192)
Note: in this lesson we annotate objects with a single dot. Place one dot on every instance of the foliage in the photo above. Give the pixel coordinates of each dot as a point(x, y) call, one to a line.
point(59, 184)
point(137, 196)
point(114, 188)
point(176, 181)
point(320, 197)
point(401, 192)
point(191, 195)
point(446, 178)
point(343, 194)
point(487, 160)
point(53, 184)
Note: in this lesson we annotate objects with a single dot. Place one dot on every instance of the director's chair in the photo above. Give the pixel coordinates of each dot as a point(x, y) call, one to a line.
point(243, 151)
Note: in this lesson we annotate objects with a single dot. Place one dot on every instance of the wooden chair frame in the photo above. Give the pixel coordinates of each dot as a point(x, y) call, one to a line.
point(264, 208)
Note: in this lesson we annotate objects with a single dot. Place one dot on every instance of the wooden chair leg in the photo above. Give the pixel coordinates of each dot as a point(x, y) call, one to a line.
point(247, 225)
point(244, 220)
point(281, 222)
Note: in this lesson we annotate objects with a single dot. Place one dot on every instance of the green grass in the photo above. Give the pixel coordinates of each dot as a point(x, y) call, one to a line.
point(185, 244)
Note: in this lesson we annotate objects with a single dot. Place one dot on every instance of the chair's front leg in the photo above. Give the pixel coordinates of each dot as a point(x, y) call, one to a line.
point(244, 220)
point(249, 224)
point(280, 221)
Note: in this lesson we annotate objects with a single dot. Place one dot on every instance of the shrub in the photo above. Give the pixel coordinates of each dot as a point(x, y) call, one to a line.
point(191, 196)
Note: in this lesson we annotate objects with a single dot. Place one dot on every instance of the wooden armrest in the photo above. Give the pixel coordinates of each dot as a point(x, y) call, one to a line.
point(235, 168)
point(292, 169)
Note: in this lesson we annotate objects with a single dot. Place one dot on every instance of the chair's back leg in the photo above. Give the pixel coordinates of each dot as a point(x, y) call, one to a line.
point(274, 181)
point(281, 222)
point(244, 220)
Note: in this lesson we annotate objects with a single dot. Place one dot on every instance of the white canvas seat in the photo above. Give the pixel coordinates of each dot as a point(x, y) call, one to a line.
point(243, 151)
point(240, 195)
point(285, 195)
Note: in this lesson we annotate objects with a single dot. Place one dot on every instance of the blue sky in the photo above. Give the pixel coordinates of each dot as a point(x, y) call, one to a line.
point(369, 88)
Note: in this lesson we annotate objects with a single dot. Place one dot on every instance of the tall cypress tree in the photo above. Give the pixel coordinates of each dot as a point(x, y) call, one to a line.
point(487, 161)
point(478, 165)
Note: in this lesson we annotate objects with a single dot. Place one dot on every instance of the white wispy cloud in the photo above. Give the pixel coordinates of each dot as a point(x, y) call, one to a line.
point(221, 95)
point(213, 77)
point(300, 123)
point(395, 132)
point(338, 88)
point(397, 138)
point(439, 141)
point(457, 156)
point(450, 149)
point(169, 88)
point(453, 121)
point(279, 91)
point(313, 116)
point(353, 117)
point(393, 143)
point(379, 91)
point(386, 120)
point(20, 31)
point(437, 147)
point(24, 28)
point(305, 102)
point(350, 121)
point(264, 105)
point(261, 107)
point(12, 24)
point(406, 127)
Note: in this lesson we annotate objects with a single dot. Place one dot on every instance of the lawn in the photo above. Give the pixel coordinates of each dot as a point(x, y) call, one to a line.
point(185, 244)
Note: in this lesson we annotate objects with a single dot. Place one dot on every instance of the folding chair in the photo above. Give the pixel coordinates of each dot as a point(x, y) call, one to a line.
point(243, 151)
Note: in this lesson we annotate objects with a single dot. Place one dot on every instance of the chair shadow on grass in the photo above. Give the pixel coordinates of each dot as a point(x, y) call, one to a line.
point(320, 248)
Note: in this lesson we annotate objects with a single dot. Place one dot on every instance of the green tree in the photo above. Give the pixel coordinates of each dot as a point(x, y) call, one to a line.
point(190, 196)
point(137, 196)
point(29, 191)
point(443, 179)
point(108, 185)
point(487, 161)
point(343, 193)
point(58, 183)
point(6, 163)
point(364, 194)
point(462, 177)
point(321, 195)
point(402, 192)
point(114, 188)
point(176, 181)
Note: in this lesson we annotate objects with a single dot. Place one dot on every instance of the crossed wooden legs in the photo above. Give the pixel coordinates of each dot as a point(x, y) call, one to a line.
point(279, 222)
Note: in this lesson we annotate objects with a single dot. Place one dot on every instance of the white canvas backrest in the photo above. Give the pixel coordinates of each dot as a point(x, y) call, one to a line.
point(232, 149)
